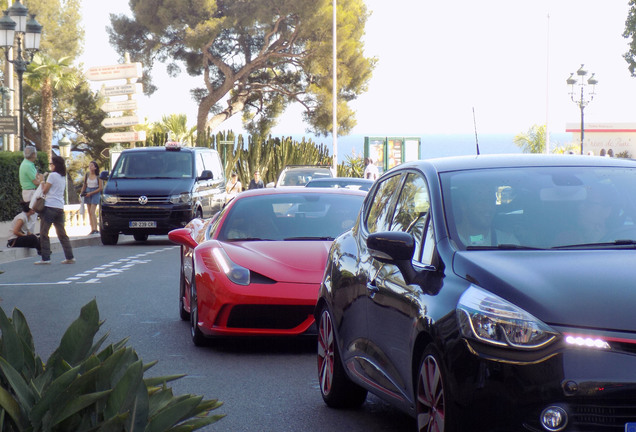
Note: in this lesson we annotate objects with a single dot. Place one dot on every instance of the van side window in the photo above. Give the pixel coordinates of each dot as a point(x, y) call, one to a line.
point(199, 162)
point(212, 163)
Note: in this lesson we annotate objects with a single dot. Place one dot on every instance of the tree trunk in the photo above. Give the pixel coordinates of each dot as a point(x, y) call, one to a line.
point(47, 116)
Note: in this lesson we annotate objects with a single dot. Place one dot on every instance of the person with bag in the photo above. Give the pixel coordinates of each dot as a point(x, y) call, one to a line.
point(233, 188)
point(90, 193)
point(53, 214)
point(22, 228)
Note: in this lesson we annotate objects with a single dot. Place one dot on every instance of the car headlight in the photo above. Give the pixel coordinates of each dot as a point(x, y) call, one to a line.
point(182, 198)
point(110, 199)
point(220, 261)
point(491, 319)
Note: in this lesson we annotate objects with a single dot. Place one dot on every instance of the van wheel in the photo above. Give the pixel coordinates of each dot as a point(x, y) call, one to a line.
point(140, 237)
point(109, 238)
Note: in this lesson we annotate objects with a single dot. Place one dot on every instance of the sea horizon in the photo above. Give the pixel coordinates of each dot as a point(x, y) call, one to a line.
point(439, 145)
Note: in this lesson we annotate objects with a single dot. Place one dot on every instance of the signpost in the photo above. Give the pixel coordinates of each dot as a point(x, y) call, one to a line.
point(123, 89)
point(113, 122)
point(8, 125)
point(132, 136)
point(114, 72)
point(125, 105)
point(130, 72)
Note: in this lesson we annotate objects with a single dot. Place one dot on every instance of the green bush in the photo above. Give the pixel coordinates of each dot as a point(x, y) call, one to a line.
point(81, 388)
point(11, 192)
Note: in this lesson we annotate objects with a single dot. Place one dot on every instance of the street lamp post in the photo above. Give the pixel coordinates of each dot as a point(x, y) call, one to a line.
point(65, 152)
point(15, 28)
point(583, 97)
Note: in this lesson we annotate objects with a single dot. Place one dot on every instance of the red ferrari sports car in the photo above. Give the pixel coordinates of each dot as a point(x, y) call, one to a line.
point(256, 266)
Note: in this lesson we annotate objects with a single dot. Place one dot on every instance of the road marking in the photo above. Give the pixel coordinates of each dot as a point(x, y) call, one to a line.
point(102, 271)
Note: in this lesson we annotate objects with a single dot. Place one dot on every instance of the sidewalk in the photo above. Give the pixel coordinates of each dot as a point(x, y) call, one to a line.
point(77, 229)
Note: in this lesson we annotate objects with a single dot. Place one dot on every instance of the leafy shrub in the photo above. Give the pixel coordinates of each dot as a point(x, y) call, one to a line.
point(81, 388)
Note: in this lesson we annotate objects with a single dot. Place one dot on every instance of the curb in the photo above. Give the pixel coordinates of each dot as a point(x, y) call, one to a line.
point(18, 253)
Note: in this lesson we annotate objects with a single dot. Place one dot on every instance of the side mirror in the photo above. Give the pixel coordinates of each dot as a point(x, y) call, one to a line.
point(270, 185)
point(394, 247)
point(103, 175)
point(206, 175)
point(182, 236)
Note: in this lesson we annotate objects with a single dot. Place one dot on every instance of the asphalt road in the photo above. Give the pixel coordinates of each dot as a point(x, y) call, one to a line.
point(265, 384)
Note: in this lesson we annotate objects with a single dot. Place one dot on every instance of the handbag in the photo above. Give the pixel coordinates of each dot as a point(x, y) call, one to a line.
point(38, 206)
point(82, 209)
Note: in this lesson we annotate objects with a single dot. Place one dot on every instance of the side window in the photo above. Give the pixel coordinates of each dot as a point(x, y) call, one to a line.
point(412, 213)
point(212, 163)
point(199, 162)
point(380, 207)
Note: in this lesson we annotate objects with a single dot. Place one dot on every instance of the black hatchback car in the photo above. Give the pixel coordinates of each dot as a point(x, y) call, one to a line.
point(488, 293)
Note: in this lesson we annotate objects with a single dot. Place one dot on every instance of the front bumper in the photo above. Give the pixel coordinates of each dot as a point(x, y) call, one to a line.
point(118, 218)
point(596, 389)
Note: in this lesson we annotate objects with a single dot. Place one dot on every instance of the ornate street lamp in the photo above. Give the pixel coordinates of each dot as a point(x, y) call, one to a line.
point(583, 97)
point(15, 28)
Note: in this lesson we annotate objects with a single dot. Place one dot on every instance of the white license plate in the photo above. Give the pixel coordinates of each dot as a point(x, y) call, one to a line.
point(630, 427)
point(142, 224)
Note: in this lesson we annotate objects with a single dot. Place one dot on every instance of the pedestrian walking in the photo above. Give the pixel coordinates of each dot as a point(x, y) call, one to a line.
point(53, 190)
point(91, 190)
point(29, 177)
point(256, 182)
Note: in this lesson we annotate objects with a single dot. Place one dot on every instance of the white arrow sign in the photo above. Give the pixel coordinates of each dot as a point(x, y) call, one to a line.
point(123, 89)
point(117, 137)
point(113, 72)
point(113, 122)
point(125, 105)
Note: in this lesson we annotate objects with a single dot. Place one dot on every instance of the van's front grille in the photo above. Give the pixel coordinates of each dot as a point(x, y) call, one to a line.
point(134, 199)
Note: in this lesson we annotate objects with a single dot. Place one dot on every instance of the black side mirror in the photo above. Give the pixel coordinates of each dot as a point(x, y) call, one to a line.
point(103, 175)
point(395, 247)
point(206, 175)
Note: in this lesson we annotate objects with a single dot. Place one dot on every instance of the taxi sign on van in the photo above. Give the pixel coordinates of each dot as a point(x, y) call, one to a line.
point(173, 145)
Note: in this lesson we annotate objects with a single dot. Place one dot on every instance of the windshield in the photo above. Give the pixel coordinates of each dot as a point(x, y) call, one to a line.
point(290, 217)
point(301, 176)
point(154, 164)
point(540, 207)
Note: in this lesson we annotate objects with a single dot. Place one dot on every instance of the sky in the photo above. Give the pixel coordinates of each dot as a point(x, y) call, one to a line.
point(439, 62)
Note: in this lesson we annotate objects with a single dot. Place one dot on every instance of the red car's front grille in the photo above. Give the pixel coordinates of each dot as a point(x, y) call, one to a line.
point(268, 316)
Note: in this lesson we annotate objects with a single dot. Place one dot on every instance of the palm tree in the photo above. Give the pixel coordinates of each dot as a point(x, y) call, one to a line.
point(177, 128)
point(533, 141)
point(46, 75)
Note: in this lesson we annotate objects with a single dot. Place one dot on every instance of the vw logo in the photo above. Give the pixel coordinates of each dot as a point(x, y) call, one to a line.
point(143, 200)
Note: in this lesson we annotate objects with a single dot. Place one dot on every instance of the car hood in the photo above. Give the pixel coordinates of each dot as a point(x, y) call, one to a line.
point(590, 288)
point(283, 261)
point(154, 186)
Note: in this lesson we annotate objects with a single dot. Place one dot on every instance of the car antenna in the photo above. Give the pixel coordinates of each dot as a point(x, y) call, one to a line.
point(475, 124)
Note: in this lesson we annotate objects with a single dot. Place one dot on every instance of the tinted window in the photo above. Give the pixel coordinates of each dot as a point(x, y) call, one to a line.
point(290, 217)
point(540, 207)
point(412, 209)
point(154, 164)
point(380, 208)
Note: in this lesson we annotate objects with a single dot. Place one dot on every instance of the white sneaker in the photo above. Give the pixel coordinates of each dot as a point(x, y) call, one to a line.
point(69, 261)
point(42, 262)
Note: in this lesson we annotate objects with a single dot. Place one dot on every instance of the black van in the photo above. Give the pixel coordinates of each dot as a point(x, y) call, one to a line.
point(153, 190)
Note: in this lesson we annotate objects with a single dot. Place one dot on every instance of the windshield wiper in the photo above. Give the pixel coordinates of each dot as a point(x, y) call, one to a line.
point(309, 238)
point(602, 245)
point(504, 246)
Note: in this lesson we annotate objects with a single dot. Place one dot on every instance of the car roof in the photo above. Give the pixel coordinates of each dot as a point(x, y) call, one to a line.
point(163, 148)
point(297, 190)
point(340, 179)
point(458, 163)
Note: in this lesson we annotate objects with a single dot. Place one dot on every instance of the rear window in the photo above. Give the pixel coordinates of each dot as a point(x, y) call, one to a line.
point(154, 164)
